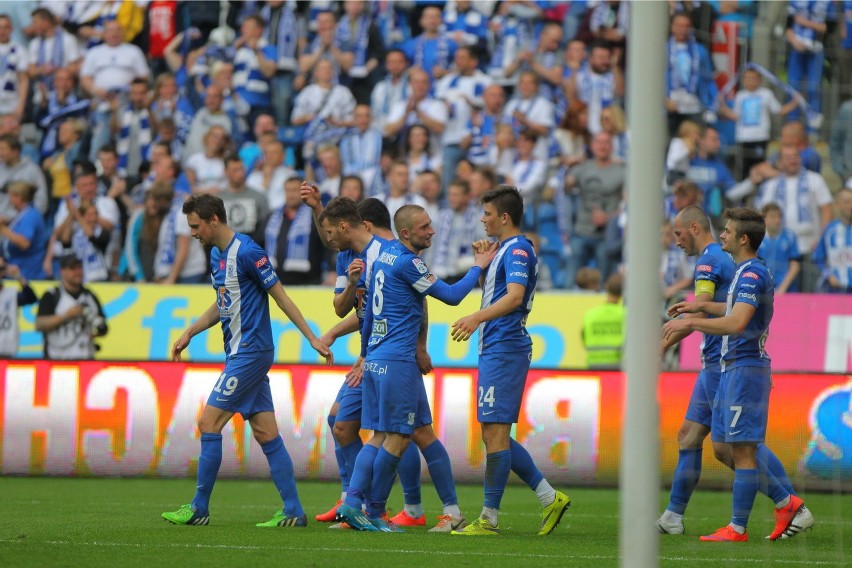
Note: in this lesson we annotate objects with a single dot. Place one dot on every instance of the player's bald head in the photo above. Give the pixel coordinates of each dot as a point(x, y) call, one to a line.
point(405, 216)
point(693, 214)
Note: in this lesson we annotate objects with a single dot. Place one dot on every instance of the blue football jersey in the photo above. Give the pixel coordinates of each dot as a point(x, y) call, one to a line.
point(345, 258)
point(241, 275)
point(514, 262)
point(752, 285)
point(718, 267)
point(399, 282)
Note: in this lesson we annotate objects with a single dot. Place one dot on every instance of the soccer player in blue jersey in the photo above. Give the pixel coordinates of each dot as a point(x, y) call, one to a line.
point(242, 276)
point(741, 405)
point(505, 352)
point(394, 405)
point(359, 244)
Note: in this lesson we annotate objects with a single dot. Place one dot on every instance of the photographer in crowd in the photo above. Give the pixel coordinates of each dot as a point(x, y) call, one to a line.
point(70, 315)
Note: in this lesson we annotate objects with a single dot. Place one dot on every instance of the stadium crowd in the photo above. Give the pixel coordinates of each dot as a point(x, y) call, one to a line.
point(113, 112)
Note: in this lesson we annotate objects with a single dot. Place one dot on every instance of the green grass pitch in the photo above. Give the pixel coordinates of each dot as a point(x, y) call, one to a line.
point(116, 522)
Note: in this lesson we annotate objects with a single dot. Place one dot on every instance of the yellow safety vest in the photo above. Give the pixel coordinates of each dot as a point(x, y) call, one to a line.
point(603, 335)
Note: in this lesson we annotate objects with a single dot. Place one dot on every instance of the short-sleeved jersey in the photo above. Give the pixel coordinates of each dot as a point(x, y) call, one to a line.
point(515, 262)
point(345, 258)
point(754, 286)
point(398, 284)
point(241, 274)
point(717, 266)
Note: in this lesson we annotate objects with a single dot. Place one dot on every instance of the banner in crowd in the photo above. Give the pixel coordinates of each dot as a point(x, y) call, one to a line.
point(146, 319)
point(809, 333)
point(107, 419)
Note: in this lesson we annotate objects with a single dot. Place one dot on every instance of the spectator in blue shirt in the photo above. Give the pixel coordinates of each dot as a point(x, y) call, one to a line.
point(780, 250)
point(709, 172)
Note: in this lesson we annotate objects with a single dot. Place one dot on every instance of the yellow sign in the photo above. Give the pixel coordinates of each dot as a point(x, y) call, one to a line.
point(145, 320)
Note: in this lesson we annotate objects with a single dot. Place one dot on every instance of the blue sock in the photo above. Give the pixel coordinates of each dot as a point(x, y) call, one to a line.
point(281, 470)
point(362, 474)
point(350, 454)
point(441, 472)
point(497, 468)
point(338, 455)
point(524, 466)
point(384, 474)
point(686, 475)
point(409, 474)
point(778, 485)
point(208, 467)
point(745, 489)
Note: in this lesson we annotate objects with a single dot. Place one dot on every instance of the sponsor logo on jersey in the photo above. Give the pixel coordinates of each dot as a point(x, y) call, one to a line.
point(387, 258)
point(747, 285)
point(520, 252)
point(380, 328)
point(269, 278)
point(703, 268)
point(520, 274)
point(747, 296)
point(420, 265)
point(751, 275)
point(263, 261)
point(222, 264)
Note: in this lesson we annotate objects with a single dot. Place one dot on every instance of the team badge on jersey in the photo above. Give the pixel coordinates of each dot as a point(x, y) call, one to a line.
point(421, 266)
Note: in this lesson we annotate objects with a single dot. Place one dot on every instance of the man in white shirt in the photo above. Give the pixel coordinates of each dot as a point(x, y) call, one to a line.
point(419, 108)
point(270, 177)
point(108, 69)
point(462, 92)
point(14, 81)
point(391, 90)
point(52, 48)
point(530, 111)
point(399, 193)
point(802, 194)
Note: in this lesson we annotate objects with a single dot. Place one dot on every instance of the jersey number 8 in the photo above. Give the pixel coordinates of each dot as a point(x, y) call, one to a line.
point(378, 298)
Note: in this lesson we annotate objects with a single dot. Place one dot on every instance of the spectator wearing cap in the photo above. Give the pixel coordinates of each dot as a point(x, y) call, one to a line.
point(15, 167)
point(24, 237)
point(70, 315)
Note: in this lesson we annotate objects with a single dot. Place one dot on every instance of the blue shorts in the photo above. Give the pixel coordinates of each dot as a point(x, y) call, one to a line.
point(393, 397)
point(700, 407)
point(500, 386)
point(349, 404)
point(741, 408)
point(244, 386)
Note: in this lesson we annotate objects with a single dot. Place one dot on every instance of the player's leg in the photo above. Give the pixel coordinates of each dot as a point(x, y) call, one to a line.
point(554, 503)
point(746, 482)
point(265, 431)
point(441, 472)
point(409, 478)
point(346, 432)
point(690, 438)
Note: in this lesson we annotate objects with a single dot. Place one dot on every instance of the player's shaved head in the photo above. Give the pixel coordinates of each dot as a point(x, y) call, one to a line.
point(404, 217)
point(694, 214)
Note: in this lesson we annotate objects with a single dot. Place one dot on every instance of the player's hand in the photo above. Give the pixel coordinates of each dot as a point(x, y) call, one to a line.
point(685, 308)
point(674, 327)
point(327, 339)
point(356, 373)
point(310, 195)
point(480, 245)
point(323, 350)
point(423, 360)
point(356, 268)
point(485, 255)
point(464, 328)
point(179, 345)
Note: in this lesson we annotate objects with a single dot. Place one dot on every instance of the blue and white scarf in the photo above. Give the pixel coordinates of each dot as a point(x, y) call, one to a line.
point(360, 151)
point(285, 37)
point(94, 263)
point(57, 56)
point(143, 135)
point(166, 254)
point(590, 84)
point(299, 241)
point(56, 113)
point(803, 200)
point(813, 10)
point(344, 40)
point(814, 118)
point(676, 81)
point(441, 51)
